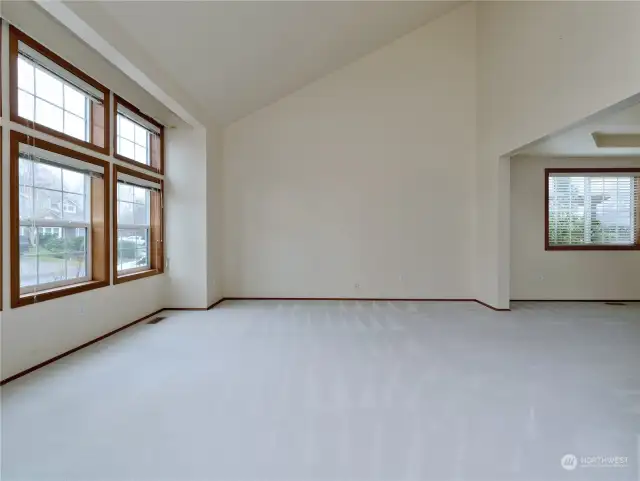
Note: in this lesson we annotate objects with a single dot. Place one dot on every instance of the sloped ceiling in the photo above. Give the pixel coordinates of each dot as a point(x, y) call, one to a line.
point(578, 141)
point(235, 57)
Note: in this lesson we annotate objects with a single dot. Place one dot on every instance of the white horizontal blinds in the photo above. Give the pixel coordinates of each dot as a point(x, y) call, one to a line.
point(131, 180)
point(36, 57)
point(122, 110)
point(593, 209)
point(44, 156)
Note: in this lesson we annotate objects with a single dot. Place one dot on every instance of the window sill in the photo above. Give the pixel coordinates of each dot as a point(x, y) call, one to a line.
point(136, 275)
point(41, 296)
point(594, 248)
point(135, 163)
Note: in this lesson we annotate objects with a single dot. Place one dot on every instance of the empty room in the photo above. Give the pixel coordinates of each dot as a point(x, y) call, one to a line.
point(319, 240)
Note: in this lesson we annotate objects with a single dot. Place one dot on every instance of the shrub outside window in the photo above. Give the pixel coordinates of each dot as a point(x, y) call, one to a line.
point(593, 209)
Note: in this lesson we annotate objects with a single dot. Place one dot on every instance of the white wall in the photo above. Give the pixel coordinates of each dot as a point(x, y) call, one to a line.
point(186, 218)
point(32, 334)
point(363, 177)
point(541, 67)
point(538, 274)
point(214, 214)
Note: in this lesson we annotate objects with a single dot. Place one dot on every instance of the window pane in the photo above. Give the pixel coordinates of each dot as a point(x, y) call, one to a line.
point(74, 101)
point(140, 214)
point(126, 128)
point(125, 213)
point(48, 204)
point(48, 87)
point(142, 258)
point(75, 239)
point(26, 202)
point(587, 210)
point(141, 154)
point(140, 195)
point(28, 269)
point(76, 265)
point(73, 207)
point(75, 126)
point(51, 267)
point(140, 135)
point(126, 148)
point(73, 181)
point(47, 176)
point(48, 115)
point(125, 192)
point(25, 75)
point(25, 105)
point(132, 248)
point(25, 175)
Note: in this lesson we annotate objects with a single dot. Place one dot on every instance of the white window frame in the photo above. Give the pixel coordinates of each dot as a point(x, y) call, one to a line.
point(587, 207)
point(87, 98)
point(60, 224)
point(119, 138)
point(146, 227)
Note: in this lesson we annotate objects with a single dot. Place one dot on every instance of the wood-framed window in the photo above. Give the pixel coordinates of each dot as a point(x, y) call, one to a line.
point(139, 139)
point(138, 221)
point(592, 209)
point(59, 221)
point(50, 95)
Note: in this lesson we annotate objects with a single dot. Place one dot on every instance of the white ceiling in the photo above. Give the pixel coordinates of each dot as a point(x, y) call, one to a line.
point(235, 57)
point(578, 141)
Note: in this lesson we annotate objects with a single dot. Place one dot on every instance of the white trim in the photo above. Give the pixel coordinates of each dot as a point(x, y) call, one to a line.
point(60, 159)
point(133, 270)
point(57, 70)
point(54, 223)
point(52, 285)
point(122, 110)
point(130, 179)
point(134, 226)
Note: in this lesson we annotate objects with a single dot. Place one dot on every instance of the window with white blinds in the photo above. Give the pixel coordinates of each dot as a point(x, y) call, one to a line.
point(593, 209)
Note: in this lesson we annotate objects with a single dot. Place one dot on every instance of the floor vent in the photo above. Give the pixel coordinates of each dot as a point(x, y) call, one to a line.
point(615, 303)
point(156, 320)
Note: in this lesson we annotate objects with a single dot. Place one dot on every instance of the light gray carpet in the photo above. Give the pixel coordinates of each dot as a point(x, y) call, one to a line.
point(339, 391)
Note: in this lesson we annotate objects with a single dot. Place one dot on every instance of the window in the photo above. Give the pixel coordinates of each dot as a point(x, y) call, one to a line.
point(593, 209)
point(138, 248)
point(59, 204)
point(139, 139)
point(50, 95)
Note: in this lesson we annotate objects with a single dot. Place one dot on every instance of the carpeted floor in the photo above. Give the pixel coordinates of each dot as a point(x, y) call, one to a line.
point(339, 391)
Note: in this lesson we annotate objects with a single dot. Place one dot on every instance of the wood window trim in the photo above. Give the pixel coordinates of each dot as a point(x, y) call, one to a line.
point(100, 247)
point(100, 124)
point(157, 160)
point(578, 171)
point(156, 250)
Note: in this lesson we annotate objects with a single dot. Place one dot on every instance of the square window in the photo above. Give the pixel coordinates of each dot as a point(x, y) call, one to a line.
point(139, 138)
point(54, 97)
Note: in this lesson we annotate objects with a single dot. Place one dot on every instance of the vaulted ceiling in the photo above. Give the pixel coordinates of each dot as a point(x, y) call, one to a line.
point(235, 57)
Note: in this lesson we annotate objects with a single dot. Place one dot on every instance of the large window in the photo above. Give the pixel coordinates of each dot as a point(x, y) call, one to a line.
point(138, 244)
point(50, 95)
point(139, 138)
point(59, 234)
point(593, 209)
